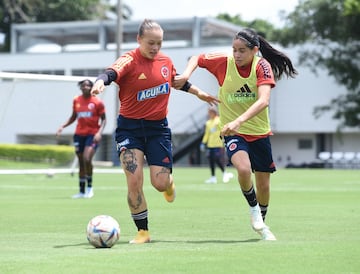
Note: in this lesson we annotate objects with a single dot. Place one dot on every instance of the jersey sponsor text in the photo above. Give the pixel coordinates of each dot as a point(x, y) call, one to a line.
point(153, 92)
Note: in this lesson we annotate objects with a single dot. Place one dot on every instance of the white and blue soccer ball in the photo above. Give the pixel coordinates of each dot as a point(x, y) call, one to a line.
point(103, 231)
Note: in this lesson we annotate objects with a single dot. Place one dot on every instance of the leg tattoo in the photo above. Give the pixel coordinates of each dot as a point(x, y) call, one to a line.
point(137, 203)
point(129, 161)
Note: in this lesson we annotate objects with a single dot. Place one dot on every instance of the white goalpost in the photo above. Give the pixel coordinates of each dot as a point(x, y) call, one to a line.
point(33, 105)
point(42, 77)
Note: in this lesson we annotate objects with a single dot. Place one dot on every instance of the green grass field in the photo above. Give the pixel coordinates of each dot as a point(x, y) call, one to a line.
point(315, 215)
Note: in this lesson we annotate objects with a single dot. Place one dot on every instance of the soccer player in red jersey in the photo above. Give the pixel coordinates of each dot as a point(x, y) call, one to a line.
point(245, 81)
point(145, 77)
point(89, 111)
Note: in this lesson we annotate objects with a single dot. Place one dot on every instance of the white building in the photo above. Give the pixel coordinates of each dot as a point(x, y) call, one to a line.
point(31, 111)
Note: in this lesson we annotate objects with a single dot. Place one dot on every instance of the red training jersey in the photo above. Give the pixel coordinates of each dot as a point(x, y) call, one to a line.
point(144, 85)
point(88, 112)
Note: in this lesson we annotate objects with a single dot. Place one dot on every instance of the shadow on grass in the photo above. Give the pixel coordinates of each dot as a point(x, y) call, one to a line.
point(210, 241)
point(72, 245)
point(171, 242)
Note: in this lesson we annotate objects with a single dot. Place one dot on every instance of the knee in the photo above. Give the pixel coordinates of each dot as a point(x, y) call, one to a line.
point(263, 187)
point(244, 172)
point(160, 178)
point(87, 158)
point(160, 185)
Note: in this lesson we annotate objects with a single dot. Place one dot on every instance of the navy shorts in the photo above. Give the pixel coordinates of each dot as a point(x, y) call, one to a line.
point(151, 137)
point(259, 151)
point(82, 141)
point(215, 153)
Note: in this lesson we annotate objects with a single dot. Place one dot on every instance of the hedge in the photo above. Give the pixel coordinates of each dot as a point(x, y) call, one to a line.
point(55, 154)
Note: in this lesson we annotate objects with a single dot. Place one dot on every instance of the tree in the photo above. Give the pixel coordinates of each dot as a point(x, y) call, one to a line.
point(263, 27)
point(329, 32)
point(30, 11)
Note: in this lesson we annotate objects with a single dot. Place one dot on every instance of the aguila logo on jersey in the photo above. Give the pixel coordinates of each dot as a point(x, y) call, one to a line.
point(153, 92)
point(84, 114)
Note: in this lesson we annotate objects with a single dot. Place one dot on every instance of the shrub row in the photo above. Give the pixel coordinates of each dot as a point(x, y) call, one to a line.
point(55, 154)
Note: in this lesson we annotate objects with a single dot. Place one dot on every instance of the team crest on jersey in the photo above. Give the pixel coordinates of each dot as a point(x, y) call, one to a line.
point(91, 106)
point(153, 92)
point(165, 72)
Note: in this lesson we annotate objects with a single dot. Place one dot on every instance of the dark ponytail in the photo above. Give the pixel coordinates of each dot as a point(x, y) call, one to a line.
point(280, 63)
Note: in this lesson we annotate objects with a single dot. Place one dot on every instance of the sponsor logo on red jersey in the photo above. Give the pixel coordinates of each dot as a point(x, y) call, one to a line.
point(153, 92)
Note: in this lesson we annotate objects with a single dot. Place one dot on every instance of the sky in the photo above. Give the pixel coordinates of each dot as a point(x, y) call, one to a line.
point(248, 9)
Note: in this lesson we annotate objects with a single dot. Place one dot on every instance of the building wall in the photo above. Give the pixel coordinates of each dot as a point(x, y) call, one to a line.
point(33, 108)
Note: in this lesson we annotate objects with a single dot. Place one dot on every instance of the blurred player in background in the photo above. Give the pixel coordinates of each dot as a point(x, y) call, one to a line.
point(214, 147)
point(89, 111)
point(245, 79)
point(144, 76)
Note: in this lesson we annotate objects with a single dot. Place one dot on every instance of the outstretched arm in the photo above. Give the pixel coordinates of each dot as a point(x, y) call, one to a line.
point(104, 79)
point(181, 79)
point(202, 95)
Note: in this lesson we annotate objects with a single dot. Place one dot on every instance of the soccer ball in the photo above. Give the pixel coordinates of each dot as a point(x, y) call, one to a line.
point(103, 231)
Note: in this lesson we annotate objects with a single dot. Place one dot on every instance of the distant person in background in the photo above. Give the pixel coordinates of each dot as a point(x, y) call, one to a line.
point(214, 146)
point(246, 78)
point(89, 111)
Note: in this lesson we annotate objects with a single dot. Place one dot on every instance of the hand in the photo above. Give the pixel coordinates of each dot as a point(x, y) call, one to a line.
point(211, 100)
point(97, 137)
point(58, 132)
point(230, 129)
point(179, 81)
point(98, 87)
point(202, 147)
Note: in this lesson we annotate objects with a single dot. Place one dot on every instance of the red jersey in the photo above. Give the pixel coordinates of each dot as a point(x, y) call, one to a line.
point(144, 85)
point(216, 63)
point(88, 112)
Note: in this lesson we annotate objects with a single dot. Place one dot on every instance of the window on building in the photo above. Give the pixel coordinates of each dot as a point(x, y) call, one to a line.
point(305, 144)
point(86, 72)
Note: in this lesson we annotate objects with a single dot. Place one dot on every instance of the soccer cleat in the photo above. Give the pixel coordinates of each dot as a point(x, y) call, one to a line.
point(80, 195)
point(266, 234)
point(89, 193)
point(211, 180)
point(257, 222)
point(142, 236)
point(227, 176)
point(170, 193)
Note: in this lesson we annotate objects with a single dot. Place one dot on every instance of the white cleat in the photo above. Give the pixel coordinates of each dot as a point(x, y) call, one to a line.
point(211, 180)
point(89, 193)
point(256, 219)
point(80, 195)
point(227, 176)
point(266, 234)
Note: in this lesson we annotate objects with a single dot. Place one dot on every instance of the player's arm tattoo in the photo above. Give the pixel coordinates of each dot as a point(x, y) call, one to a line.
point(129, 160)
point(137, 203)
